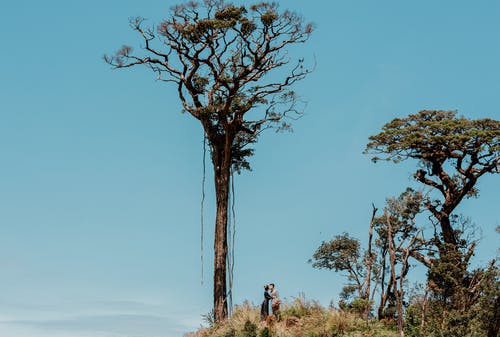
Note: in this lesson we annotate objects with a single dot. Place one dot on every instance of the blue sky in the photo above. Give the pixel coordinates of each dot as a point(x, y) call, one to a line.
point(100, 172)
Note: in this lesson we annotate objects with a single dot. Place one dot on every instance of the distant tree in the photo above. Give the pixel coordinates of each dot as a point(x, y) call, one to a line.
point(344, 254)
point(453, 153)
point(225, 61)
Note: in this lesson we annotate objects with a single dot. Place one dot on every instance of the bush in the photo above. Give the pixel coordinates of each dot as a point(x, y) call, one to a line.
point(265, 332)
point(228, 333)
point(249, 330)
point(359, 305)
point(301, 308)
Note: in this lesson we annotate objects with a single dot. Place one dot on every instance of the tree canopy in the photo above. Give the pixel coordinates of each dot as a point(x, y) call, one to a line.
point(225, 60)
point(453, 153)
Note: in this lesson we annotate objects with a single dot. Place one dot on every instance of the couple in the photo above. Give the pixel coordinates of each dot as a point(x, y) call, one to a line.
point(270, 294)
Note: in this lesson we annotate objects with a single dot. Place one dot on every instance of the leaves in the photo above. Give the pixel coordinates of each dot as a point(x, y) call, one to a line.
point(340, 254)
point(437, 136)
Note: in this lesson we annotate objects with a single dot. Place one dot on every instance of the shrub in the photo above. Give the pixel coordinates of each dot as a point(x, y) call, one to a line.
point(265, 332)
point(301, 308)
point(228, 333)
point(249, 330)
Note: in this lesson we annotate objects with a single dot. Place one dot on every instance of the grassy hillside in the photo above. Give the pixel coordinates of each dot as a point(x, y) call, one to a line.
point(300, 318)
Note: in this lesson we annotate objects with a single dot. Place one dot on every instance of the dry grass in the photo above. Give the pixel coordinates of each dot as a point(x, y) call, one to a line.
point(313, 321)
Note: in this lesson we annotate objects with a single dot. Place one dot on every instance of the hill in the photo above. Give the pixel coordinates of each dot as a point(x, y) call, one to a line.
point(300, 318)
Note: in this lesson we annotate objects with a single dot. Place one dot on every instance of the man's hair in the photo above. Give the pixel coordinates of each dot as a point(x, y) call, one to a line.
point(272, 284)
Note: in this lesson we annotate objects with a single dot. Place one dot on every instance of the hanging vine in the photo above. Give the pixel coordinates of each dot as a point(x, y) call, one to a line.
point(202, 203)
point(233, 213)
point(231, 234)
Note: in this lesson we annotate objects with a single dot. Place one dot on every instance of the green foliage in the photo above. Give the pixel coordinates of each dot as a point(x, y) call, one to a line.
point(359, 305)
point(209, 318)
point(302, 308)
point(249, 330)
point(339, 254)
point(402, 211)
point(230, 332)
point(446, 274)
point(474, 312)
point(343, 254)
point(265, 332)
point(439, 135)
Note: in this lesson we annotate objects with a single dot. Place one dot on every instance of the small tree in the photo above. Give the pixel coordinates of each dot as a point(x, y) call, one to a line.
point(344, 254)
point(398, 238)
point(225, 61)
point(399, 253)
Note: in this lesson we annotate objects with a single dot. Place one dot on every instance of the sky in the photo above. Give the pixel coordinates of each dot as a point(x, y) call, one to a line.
point(100, 172)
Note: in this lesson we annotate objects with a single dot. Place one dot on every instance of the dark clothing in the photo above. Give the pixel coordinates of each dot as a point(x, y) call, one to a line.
point(264, 308)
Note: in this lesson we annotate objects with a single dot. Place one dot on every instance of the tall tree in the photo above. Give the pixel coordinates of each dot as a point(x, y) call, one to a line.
point(225, 61)
point(453, 152)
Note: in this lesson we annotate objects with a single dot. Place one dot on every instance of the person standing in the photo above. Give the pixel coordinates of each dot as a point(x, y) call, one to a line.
point(264, 308)
point(275, 300)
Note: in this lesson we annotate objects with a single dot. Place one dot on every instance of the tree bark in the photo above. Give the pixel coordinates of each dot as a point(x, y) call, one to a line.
point(397, 294)
point(447, 230)
point(221, 158)
point(494, 324)
point(369, 264)
point(424, 310)
point(383, 291)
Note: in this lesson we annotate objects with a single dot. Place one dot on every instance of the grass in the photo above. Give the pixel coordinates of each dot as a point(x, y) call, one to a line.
point(311, 320)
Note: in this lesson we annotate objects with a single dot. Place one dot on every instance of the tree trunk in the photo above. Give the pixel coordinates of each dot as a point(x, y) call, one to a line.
point(424, 310)
point(494, 324)
point(383, 292)
point(447, 230)
point(369, 264)
point(221, 159)
point(397, 293)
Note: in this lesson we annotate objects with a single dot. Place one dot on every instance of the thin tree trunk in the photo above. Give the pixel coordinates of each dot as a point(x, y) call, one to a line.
point(383, 291)
point(369, 264)
point(424, 310)
point(397, 294)
point(221, 159)
point(494, 324)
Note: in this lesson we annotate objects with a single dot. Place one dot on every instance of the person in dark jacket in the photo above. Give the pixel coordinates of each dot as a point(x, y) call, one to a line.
point(264, 309)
